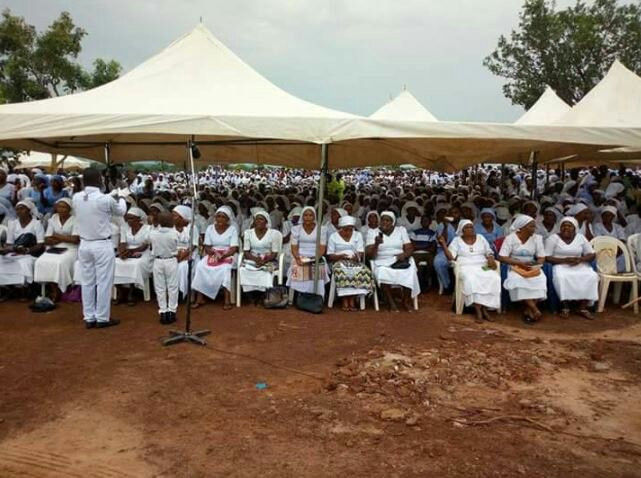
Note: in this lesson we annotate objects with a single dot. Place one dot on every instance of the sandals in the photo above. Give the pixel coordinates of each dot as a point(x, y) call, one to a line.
point(227, 307)
point(586, 314)
point(528, 319)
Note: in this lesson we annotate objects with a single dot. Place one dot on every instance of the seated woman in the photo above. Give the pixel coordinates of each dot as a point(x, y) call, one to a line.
point(25, 240)
point(549, 226)
point(134, 262)
point(57, 264)
point(300, 276)
point(261, 246)
point(214, 269)
point(488, 227)
point(345, 251)
point(392, 264)
point(371, 224)
point(183, 218)
point(293, 219)
point(573, 276)
point(481, 285)
point(523, 251)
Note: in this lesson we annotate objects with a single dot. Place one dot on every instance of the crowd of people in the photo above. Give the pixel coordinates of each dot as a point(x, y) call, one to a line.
point(508, 239)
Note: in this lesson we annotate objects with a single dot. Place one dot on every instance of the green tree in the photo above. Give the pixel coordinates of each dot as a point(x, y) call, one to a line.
point(40, 65)
point(569, 50)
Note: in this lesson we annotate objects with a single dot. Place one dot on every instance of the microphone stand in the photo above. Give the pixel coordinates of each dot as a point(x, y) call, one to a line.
point(177, 336)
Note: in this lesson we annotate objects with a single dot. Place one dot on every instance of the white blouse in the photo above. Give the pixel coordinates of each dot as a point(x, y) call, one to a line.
point(54, 226)
point(617, 231)
point(229, 238)
point(307, 242)
point(557, 247)
point(183, 237)
point(392, 245)
point(523, 252)
point(260, 246)
point(467, 254)
point(132, 240)
point(16, 230)
point(350, 249)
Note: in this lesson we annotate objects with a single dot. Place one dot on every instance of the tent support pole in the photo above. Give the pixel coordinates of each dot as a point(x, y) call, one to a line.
point(547, 176)
point(176, 336)
point(535, 166)
point(108, 170)
point(319, 213)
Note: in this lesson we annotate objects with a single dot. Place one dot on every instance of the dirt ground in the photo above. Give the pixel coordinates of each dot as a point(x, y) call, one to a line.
point(347, 394)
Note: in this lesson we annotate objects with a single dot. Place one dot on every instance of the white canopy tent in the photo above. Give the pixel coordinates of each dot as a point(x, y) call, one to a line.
point(197, 89)
point(51, 162)
point(404, 107)
point(548, 109)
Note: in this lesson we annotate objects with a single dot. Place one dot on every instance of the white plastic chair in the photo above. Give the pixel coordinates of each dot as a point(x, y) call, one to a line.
point(459, 303)
point(276, 274)
point(606, 249)
point(376, 304)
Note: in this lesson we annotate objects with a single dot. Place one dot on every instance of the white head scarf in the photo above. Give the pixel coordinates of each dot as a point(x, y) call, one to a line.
point(308, 208)
point(520, 221)
point(226, 210)
point(389, 214)
point(136, 211)
point(297, 211)
point(610, 209)
point(66, 201)
point(347, 221)
point(461, 224)
point(572, 221)
point(264, 214)
point(184, 212)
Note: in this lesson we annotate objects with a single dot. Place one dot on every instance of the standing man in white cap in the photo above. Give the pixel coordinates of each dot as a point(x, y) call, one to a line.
point(93, 211)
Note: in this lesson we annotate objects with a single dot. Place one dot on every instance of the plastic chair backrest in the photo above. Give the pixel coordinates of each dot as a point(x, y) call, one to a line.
point(279, 240)
point(633, 248)
point(606, 249)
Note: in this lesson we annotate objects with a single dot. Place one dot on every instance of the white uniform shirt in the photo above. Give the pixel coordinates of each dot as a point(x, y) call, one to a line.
point(54, 226)
point(93, 211)
point(392, 245)
point(350, 249)
point(164, 242)
point(16, 230)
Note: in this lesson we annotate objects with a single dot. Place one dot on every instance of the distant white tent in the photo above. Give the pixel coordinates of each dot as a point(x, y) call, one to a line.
point(548, 109)
point(404, 107)
point(45, 161)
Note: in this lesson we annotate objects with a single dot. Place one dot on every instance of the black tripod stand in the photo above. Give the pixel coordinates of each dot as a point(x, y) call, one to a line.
point(177, 336)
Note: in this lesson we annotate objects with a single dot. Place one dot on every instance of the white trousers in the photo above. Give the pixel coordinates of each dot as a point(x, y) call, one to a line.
point(97, 264)
point(166, 284)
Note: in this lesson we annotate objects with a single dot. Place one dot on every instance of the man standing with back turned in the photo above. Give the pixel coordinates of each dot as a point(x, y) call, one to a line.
point(93, 211)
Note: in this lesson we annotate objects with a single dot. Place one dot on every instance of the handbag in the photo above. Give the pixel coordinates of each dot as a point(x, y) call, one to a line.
point(276, 297)
point(404, 264)
point(27, 240)
point(309, 302)
point(528, 274)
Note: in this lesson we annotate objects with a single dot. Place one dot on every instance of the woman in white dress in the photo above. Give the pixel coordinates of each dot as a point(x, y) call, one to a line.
point(214, 269)
point(300, 276)
point(410, 217)
point(183, 218)
point(56, 265)
point(371, 224)
point(549, 225)
point(134, 262)
point(293, 218)
point(573, 276)
point(345, 250)
point(475, 256)
point(17, 261)
point(261, 245)
point(523, 251)
point(390, 252)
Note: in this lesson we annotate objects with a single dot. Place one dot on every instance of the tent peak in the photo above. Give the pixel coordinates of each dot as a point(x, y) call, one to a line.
point(404, 106)
point(547, 109)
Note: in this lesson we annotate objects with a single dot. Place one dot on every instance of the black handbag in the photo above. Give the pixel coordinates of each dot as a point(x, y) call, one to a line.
point(309, 302)
point(27, 240)
point(404, 264)
point(276, 297)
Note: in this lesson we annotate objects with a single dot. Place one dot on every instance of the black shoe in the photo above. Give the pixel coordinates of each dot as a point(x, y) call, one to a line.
point(109, 323)
point(90, 325)
point(171, 317)
point(164, 318)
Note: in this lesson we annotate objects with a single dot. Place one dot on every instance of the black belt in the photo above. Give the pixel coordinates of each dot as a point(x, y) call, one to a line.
point(95, 240)
point(164, 258)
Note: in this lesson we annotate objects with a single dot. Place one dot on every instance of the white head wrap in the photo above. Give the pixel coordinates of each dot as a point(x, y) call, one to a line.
point(308, 208)
point(610, 209)
point(461, 224)
point(520, 221)
point(66, 201)
point(347, 221)
point(136, 211)
point(184, 212)
point(389, 214)
point(226, 210)
point(614, 189)
point(294, 212)
point(264, 214)
point(572, 221)
point(577, 209)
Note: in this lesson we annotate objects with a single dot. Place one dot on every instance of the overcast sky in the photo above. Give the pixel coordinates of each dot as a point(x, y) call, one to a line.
point(345, 54)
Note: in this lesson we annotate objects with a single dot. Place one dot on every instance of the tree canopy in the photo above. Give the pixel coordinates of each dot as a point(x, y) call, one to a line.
point(37, 65)
point(569, 50)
